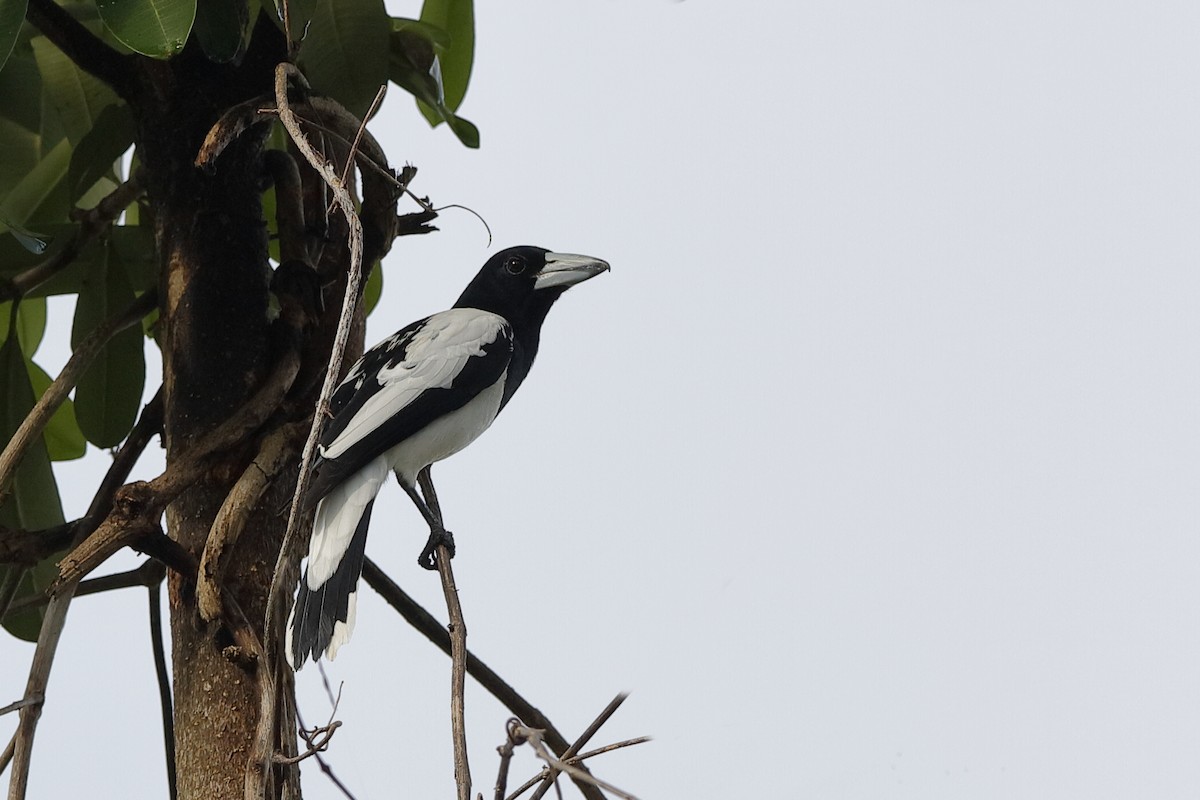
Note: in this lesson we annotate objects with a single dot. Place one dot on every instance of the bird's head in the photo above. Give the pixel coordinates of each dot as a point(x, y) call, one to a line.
point(523, 282)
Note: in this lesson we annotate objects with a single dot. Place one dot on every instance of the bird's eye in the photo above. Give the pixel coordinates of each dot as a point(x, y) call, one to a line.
point(515, 265)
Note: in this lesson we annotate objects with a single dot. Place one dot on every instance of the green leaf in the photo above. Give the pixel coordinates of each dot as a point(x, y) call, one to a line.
point(12, 14)
point(373, 289)
point(21, 88)
point(110, 391)
point(64, 440)
point(413, 65)
point(95, 153)
point(223, 28)
point(345, 54)
point(466, 131)
point(155, 28)
point(33, 190)
point(77, 97)
point(31, 323)
point(456, 18)
point(431, 33)
point(34, 503)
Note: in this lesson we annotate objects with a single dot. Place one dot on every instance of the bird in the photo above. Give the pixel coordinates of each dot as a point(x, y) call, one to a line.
point(417, 397)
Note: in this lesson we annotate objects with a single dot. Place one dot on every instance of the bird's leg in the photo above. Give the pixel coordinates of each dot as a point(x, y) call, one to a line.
point(425, 479)
point(438, 535)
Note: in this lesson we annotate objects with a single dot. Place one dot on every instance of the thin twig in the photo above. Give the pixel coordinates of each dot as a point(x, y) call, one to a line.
point(150, 573)
point(164, 683)
point(317, 740)
point(19, 704)
point(458, 672)
point(608, 748)
point(39, 676)
point(262, 749)
point(37, 419)
point(506, 753)
point(7, 756)
point(541, 776)
point(534, 737)
point(583, 739)
point(362, 127)
point(328, 770)
point(434, 631)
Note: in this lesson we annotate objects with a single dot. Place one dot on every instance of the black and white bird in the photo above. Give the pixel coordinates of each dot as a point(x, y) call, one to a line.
point(420, 395)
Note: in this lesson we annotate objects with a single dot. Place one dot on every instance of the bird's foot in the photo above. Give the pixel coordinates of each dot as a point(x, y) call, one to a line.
point(428, 557)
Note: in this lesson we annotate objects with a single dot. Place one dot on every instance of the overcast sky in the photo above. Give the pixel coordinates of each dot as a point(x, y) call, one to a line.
point(871, 468)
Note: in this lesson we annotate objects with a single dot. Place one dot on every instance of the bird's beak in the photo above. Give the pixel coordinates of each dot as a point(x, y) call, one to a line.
point(568, 269)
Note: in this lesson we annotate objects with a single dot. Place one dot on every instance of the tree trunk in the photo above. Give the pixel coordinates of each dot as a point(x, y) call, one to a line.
point(214, 281)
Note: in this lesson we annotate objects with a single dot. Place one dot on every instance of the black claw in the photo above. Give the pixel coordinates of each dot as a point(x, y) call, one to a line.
point(428, 557)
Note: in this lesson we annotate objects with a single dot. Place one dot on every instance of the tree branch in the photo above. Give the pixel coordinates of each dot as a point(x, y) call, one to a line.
point(276, 450)
point(33, 424)
point(534, 736)
point(262, 750)
point(434, 631)
point(81, 46)
point(578, 744)
point(35, 687)
point(149, 574)
point(458, 660)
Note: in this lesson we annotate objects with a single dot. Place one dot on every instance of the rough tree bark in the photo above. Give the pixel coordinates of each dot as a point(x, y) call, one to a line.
point(214, 283)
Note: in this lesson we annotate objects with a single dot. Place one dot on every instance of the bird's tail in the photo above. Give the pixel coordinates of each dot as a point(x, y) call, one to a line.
point(322, 618)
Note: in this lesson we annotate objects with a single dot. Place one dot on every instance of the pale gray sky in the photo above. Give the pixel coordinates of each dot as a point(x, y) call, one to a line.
point(871, 468)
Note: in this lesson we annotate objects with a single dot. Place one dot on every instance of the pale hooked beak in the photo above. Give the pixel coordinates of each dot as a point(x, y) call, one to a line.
point(568, 269)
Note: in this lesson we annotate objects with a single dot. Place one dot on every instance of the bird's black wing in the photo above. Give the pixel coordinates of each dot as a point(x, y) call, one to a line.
point(422, 372)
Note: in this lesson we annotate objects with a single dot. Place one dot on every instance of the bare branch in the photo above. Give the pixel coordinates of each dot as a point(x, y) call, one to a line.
point(608, 748)
point(534, 737)
point(458, 671)
point(19, 704)
point(35, 687)
point(150, 573)
point(261, 751)
point(164, 683)
point(329, 773)
point(434, 631)
point(33, 424)
point(578, 744)
point(317, 740)
point(274, 453)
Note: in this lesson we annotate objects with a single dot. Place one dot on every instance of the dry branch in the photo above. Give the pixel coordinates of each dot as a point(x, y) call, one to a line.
point(434, 631)
point(35, 687)
point(458, 671)
point(262, 750)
